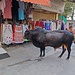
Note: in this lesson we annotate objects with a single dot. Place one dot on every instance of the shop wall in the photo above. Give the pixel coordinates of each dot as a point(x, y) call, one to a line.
point(56, 16)
point(40, 15)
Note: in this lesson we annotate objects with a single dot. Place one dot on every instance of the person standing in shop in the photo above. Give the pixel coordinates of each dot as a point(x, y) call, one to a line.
point(72, 31)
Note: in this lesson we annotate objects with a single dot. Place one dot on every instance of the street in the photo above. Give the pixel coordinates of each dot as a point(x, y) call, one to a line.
point(24, 60)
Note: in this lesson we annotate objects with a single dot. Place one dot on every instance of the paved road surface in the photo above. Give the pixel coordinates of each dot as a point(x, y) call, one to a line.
point(24, 60)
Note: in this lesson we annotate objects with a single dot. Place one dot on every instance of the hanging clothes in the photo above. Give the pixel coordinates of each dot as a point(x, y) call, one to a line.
point(65, 26)
point(21, 10)
point(47, 25)
point(37, 24)
point(2, 5)
point(52, 25)
point(7, 10)
point(58, 25)
point(1, 18)
point(25, 27)
point(15, 7)
point(7, 34)
point(41, 24)
point(17, 34)
point(21, 14)
point(31, 24)
point(21, 5)
point(62, 26)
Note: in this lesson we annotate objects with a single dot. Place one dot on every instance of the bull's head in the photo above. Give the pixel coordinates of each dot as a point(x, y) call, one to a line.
point(27, 35)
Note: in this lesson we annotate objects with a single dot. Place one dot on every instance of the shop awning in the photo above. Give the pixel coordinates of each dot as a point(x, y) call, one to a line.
point(42, 2)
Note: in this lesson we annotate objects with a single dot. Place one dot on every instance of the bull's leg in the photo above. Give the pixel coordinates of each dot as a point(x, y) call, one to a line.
point(64, 49)
point(69, 51)
point(42, 50)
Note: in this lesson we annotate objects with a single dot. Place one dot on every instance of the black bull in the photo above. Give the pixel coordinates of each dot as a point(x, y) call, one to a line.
point(42, 38)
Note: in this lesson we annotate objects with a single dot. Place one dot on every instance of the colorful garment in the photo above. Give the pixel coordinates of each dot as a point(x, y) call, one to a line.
point(2, 5)
point(7, 10)
point(47, 25)
point(7, 34)
point(21, 14)
point(21, 5)
point(18, 35)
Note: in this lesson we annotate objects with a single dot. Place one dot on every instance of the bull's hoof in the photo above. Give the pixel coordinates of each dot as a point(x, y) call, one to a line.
point(59, 56)
point(43, 55)
point(40, 56)
point(67, 58)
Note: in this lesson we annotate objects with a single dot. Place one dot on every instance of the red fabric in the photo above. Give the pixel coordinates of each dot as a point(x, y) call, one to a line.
point(7, 10)
point(17, 35)
point(14, 28)
point(37, 23)
point(7, 13)
point(41, 24)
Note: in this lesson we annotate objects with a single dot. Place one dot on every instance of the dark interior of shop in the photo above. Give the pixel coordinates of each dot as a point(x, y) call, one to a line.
point(15, 7)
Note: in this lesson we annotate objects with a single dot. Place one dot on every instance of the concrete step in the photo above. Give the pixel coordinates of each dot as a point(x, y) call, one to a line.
point(3, 53)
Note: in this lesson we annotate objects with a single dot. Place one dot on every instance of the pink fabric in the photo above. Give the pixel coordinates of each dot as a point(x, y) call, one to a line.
point(7, 10)
point(2, 5)
point(7, 13)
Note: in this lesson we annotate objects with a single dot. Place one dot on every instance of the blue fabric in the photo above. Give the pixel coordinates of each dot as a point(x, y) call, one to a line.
point(47, 26)
point(62, 26)
point(21, 14)
point(21, 4)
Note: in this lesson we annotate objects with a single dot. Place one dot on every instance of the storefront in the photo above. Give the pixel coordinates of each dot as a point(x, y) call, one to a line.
point(14, 11)
point(9, 14)
point(48, 12)
point(44, 15)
